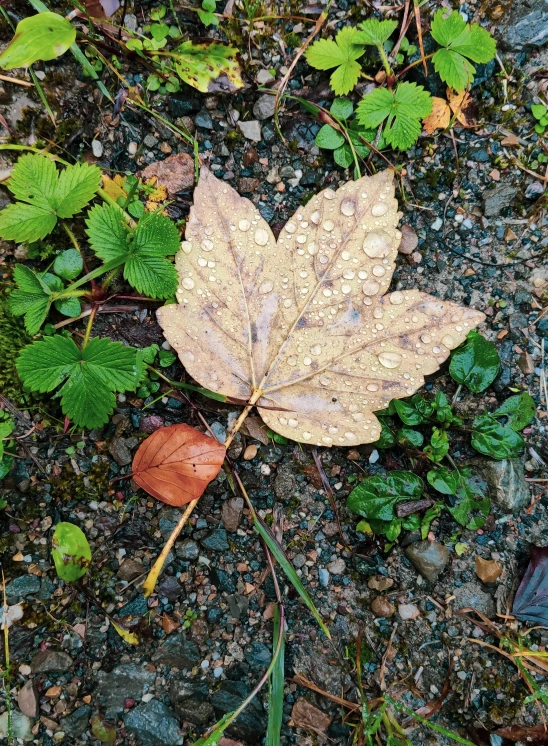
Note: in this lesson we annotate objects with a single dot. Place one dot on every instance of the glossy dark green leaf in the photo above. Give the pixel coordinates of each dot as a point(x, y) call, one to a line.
point(386, 438)
point(475, 364)
point(443, 412)
point(439, 445)
point(68, 307)
point(406, 436)
point(443, 480)
point(71, 552)
point(520, 410)
point(471, 508)
point(341, 108)
point(413, 411)
point(375, 497)
point(428, 517)
point(493, 439)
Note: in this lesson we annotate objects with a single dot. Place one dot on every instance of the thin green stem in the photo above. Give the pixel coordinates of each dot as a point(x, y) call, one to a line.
point(110, 277)
point(456, 396)
point(89, 326)
point(72, 237)
point(103, 269)
point(384, 58)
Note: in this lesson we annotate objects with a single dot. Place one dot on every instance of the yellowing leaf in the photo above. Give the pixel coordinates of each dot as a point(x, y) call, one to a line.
point(440, 116)
point(301, 326)
point(127, 636)
point(463, 107)
point(115, 187)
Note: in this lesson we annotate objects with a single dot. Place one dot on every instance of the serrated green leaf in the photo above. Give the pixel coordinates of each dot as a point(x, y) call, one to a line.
point(520, 410)
point(25, 223)
point(71, 552)
point(33, 180)
point(90, 376)
point(76, 187)
point(107, 232)
point(68, 264)
point(478, 44)
point(345, 77)
point(493, 439)
point(375, 107)
point(31, 299)
point(402, 110)
point(447, 26)
point(152, 275)
point(475, 364)
point(453, 69)
point(44, 36)
point(342, 54)
point(376, 497)
point(329, 138)
point(325, 54)
point(341, 108)
point(28, 281)
point(374, 33)
point(209, 67)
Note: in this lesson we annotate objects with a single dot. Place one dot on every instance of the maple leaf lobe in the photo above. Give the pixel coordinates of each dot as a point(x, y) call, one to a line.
point(304, 326)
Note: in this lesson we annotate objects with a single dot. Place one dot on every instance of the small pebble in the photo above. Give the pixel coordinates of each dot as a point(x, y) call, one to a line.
point(132, 148)
point(323, 575)
point(250, 452)
point(97, 148)
point(437, 224)
point(381, 607)
point(408, 611)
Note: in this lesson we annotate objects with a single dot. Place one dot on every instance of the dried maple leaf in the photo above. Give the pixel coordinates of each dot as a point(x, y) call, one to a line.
point(440, 116)
point(176, 463)
point(301, 325)
point(461, 104)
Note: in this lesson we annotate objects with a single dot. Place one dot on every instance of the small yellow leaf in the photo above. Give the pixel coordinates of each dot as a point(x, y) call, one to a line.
point(114, 187)
point(463, 107)
point(127, 636)
point(440, 116)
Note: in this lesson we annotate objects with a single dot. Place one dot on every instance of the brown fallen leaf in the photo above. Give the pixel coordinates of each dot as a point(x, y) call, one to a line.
point(440, 116)
point(101, 8)
point(305, 715)
point(301, 324)
point(409, 240)
point(488, 570)
point(463, 107)
point(526, 733)
point(176, 463)
point(255, 428)
point(176, 172)
point(169, 625)
point(115, 187)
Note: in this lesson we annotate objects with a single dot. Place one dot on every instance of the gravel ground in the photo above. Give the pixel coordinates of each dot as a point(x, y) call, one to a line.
point(206, 634)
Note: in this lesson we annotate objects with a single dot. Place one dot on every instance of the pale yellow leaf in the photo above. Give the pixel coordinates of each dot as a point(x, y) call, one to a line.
point(303, 327)
point(127, 636)
point(114, 187)
point(440, 116)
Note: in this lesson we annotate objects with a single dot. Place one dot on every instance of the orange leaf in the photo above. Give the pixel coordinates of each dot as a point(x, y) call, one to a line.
point(176, 463)
point(440, 116)
point(463, 107)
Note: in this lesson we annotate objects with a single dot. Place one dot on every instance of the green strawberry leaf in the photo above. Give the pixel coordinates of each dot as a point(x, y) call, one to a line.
point(374, 33)
point(475, 364)
point(76, 187)
point(341, 54)
point(341, 108)
point(68, 264)
point(31, 299)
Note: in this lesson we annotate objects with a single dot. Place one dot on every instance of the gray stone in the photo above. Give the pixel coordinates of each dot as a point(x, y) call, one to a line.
point(285, 482)
point(137, 607)
point(170, 588)
point(495, 200)
point(187, 550)
point(28, 699)
point(251, 724)
point(263, 108)
point(251, 130)
point(429, 557)
point(51, 660)
point(204, 120)
point(231, 513)
point(21, 588)
point(216, 540)
point(21, 726)
point(472, 595)
point(238, 605)
point(119, 451)
point(316, 664)
point(337, 567)
point(179, 652)
point(258, 656)
point(189, 700)
point(154, 723)
point(299, 561)
point(264, 77)
point(77, 722)
point(323, 576)
point(130, 569)
point(125, 681)
point(503, 481)
point(525, 24)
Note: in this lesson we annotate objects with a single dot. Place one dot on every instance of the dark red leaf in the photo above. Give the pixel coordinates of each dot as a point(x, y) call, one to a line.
point(531, 601)
point(176, 463)
point(101, 8)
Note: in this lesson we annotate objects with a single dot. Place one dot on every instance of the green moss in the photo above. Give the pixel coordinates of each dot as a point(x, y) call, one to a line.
point(70, 486)
point(12, 338)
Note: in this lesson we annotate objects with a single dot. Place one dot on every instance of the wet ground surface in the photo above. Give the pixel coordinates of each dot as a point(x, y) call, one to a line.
point(206, 634)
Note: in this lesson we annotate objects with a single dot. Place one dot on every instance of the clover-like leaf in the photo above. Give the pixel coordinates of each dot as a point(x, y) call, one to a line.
point(304, 327)
point(340, 53)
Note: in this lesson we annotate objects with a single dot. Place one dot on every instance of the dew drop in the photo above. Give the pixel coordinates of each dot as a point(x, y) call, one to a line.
point(426, 338)
point(329, 194)
point(323, 260)
point(287, 303)
point(346, 255)
point(261, 237)
point(312, 249)
point(370, 288)
point(327, 440)
point(348, 207)
point(327, 292)
point(350, 436)
point(362, 274)
point(186, 246)
point(283, 420)
point(375, 245)
point(449, 341)
point(316, 217)
point(307, 435)
point(186, 357)
point(291, 227)
point(292, 423)
point(345, 289)
point(266, 287)
point(307, 361)
point(396, 298)
point(207, 245)
point(316, 350)
point(390, 359)
point(436, 349)
point(301, 238)
point(378, 270)
point(188, 283)
point(329, 225)
point(358, 416)
point(372, 386)
point(333, 430)
point(244, 225)
point(292, 361)
point(202, 262)
point(379, 209)
point(348, 274)
point(378, 313)
point(325, 380)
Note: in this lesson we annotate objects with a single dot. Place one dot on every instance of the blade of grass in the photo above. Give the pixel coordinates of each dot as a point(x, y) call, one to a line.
point(438, 728)
point(276, 690)
point(42, 95)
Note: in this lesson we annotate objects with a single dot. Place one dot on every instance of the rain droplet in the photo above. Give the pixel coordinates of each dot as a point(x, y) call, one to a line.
point(261, 237)
point(379, 209)
point(346, 255)
point(307, 435)
point(327, 292)
point(292, 361)
point(327, 440)
point(202, 262)
point(378, 270)
point(266, 287)
point(316, 217)
point(307, 361)
point(287, 303)
point(348, 207)
point(186, 357)
point(362, 274)
point(449, 341)
point(333, 430)
point(372, 387)
point(396, 298)
point(244, 225)
point(375, 245)
point(291, 227)
point(426, 338)
point(436, 349)
point(325, 380)
point(316, 350)
point(301, 238)
point(188, 283)
point(329, 225)
point(283, 420)
point(323, 260)
point(390, 359)
point(207, 245)
point(358, 416)
point(329, 194)
point(378, 313)
point(370, 288)
point(312, 249)
point(348, 274)
point(292, 423)
point(186, 246)
point(346, 289)
point(350, 436)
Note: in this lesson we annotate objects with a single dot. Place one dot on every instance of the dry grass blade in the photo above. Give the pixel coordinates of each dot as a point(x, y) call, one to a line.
point(301, 324)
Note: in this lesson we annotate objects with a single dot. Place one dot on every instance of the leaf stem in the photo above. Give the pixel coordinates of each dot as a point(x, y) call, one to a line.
point(110, 277)
point(72, 237)
point(384, 58)
point(456, 395)
point(89, 326)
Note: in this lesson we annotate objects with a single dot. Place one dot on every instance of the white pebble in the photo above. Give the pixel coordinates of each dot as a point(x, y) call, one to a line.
point(437, 224)
point(132, 148)
point(97, 148)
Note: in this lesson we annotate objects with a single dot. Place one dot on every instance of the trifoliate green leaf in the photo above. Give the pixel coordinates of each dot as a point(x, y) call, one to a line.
point(342, 54)
point(144, 249)
point(68, 264)
point(402, 109)
point(461, 43)
point(374, 33)
point(89, 376)
point(329, 138)
point(31, 299)
point(35, 181)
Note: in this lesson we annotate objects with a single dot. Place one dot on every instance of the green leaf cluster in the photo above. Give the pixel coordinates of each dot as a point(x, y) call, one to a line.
point(462, 43)
point(7, 426)
point(207, 14)
point(401, 110)
point(329, 138)
point(340, 53)
point(470, 507)
point(44, 195)
point(476, 363)
point(86, 379)
point(540, 112)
